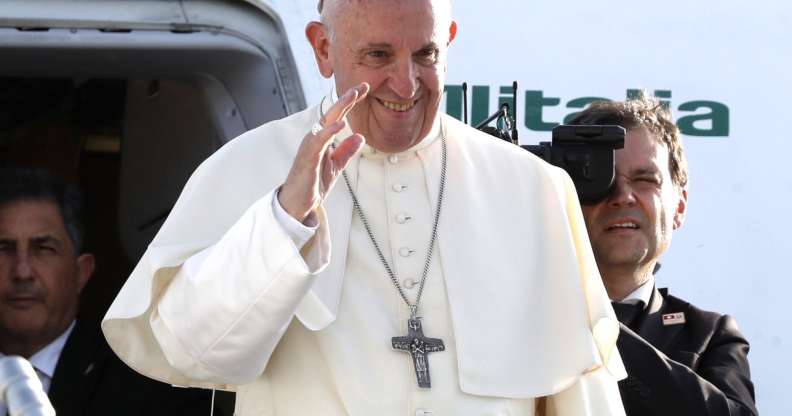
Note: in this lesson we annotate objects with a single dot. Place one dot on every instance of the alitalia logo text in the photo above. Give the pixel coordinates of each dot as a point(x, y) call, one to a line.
point(694, 118)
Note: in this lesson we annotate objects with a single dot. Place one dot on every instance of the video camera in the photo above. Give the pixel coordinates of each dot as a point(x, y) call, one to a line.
point(586, 153)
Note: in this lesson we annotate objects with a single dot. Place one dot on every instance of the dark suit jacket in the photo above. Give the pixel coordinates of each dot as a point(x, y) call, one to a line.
point(697, 368)
point(90, 380)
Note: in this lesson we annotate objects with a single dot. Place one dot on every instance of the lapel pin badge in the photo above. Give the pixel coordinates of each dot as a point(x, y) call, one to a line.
point(675, 318)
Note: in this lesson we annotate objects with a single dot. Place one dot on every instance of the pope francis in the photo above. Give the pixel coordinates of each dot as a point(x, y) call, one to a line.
point(370, 256)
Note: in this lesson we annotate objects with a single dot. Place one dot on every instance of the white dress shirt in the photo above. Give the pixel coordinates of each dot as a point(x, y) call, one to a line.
point(641, 294)
point(46, 359)
point(44, 362)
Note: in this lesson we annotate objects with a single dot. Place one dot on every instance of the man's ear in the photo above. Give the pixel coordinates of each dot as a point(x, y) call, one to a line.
point(86, 263)
point(318, 37)
point(679, 214)
point(452, 31)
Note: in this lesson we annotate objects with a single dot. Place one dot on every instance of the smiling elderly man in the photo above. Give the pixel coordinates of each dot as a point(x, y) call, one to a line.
point(419, 309)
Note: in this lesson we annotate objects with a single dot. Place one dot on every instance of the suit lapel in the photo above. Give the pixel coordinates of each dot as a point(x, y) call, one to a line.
point(652, 328)
point(77, 373)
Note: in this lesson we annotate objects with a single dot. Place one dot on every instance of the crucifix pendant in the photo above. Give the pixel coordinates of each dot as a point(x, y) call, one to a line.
point(419, 348)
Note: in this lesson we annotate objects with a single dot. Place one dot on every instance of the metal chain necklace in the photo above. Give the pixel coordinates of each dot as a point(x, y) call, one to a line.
point(414, 343)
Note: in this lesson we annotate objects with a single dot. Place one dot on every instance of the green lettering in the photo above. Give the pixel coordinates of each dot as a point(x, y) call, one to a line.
point(718, 117)
point(664, 94)
point(534, 105)
point(454, 101)
point(634, 94)
point(480, 110)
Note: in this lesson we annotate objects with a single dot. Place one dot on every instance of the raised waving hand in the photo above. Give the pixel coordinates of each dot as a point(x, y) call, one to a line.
point(317, 165)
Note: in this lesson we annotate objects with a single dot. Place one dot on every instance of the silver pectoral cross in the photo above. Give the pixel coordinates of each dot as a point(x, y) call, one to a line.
point(419, 347)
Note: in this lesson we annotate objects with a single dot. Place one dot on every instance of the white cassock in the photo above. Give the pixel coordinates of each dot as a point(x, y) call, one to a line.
point(512, 290)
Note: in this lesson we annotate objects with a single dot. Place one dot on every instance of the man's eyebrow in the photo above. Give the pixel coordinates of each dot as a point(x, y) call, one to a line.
point(376, 46)
point(44, 239)
point(7, 241)
point(644, 170)
point(653, 171)
point(385, 45)
point(430, 45)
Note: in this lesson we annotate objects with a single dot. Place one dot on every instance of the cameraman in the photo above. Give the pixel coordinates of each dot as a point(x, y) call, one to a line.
point(680, 360)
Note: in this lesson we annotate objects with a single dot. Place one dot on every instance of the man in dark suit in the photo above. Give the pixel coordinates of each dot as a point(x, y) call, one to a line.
point(680, 360)
point(42, 271)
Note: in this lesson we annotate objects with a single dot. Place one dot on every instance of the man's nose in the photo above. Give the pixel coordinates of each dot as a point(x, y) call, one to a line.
point(622, 194)
point(404, 78)
point(23, 268)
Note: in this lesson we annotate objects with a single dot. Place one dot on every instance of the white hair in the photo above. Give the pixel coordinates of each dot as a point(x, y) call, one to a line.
point(328, 9)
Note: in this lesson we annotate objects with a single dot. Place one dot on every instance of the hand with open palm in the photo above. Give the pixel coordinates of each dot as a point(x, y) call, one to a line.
point(318, 164)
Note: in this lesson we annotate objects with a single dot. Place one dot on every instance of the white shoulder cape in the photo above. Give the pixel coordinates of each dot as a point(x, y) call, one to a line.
point(525, 295)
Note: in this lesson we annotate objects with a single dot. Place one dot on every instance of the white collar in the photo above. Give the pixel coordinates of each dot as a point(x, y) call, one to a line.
point(46, 359)
point(642, 294)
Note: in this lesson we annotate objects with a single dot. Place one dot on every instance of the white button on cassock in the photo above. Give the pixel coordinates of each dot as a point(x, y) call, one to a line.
point(402, 218)
point(423, 412)
point(409, 283)
point(393, 159)
point(406, 252)
point(397, 187)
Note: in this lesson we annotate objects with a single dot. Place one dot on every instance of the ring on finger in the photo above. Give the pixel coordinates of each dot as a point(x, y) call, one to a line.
point(316, 128)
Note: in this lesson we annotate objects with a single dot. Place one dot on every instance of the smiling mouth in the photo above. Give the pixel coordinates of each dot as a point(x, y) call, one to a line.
point(627, 225)
point(400, 108)
point(23, 301)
